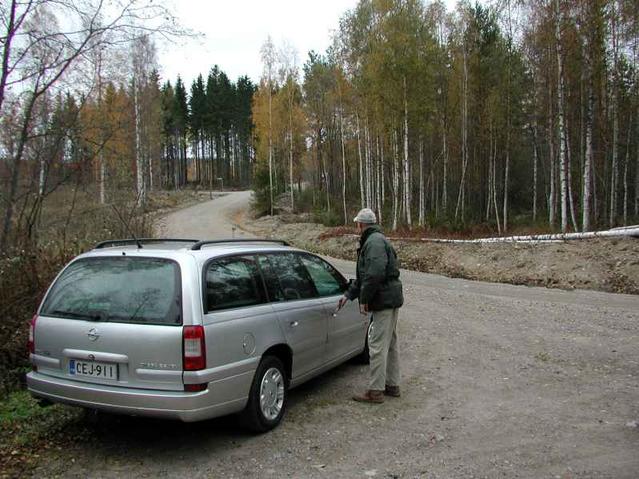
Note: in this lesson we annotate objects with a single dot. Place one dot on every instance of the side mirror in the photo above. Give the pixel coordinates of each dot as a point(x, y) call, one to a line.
point(351, 281)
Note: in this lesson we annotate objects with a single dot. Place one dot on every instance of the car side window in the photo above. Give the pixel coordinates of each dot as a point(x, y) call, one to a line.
point(294, 279)
point(270, 279)
point(233, 283)
point(328, 281)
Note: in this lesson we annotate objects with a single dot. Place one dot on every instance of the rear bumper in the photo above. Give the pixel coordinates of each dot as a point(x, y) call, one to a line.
point(221, 397)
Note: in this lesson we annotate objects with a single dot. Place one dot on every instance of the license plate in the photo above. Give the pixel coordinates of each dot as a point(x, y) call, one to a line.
point(93, 369)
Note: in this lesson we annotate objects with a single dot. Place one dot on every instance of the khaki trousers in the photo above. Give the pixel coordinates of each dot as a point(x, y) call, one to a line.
point(383, 349)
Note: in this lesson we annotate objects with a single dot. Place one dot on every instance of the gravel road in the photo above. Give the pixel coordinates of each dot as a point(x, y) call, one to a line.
point(498, 381)
point(210, 220)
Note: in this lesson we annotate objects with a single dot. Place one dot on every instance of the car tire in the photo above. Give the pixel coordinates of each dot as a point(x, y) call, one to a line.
point(268, 396)
point(364, 357)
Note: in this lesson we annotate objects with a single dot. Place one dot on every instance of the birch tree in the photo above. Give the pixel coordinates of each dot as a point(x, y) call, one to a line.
point(269, 58)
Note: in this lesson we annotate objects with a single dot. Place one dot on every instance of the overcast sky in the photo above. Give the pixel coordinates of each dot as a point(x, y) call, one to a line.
point(234, 31)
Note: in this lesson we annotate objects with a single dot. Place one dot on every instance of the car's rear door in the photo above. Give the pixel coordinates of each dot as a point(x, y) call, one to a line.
point(300, 311)
point(240, 323)
point(114, 320)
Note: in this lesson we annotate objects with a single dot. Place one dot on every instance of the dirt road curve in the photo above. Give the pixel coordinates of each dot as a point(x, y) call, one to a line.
point(209, 220)
point(498, 381)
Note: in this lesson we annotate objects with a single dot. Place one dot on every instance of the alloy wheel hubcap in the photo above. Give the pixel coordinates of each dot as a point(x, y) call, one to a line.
point(272, 393)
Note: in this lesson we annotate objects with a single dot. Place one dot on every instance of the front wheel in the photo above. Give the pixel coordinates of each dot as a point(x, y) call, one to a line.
point(364, 357)
point(267, 399)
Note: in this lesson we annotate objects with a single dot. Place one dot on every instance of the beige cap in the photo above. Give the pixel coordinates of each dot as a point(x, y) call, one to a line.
point(366, 216)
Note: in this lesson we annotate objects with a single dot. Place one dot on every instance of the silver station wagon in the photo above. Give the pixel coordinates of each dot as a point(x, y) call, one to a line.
point(190, 329)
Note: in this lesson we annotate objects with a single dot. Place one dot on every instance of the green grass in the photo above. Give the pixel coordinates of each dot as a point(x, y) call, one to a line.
point(23, 421)
point(27, 430)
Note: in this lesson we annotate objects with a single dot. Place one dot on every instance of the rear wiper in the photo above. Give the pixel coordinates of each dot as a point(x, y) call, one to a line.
point(71, 314)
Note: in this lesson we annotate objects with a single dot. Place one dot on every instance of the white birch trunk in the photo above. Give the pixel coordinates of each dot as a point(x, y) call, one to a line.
point(460, 195)
point(506, 181)
point(326, 183)
point(43, 166)
point(407, 175)
point(362, 193)
point(290, 155)
point(380, 181)
point(508, 121)
point(101, 165)
point(341, 128)
point(234, 156)
point(270, 142)
point(150, 162)
point(494, 175)
point(587, 178)
point(42, 155)
point(615, 119)
point(625, 176)
point(176, 161)
point(395, 174)
point(560, 120)
point(102, 179)
point(371, 199)
point(139, 168)
point(637, 173)
point(445, 172)
point(571, 203)
point(489, 196)
point(422, 206)
point(634, 66)
point(370, 170)
point(535, 162)
point(552, 196)
point(42, 130)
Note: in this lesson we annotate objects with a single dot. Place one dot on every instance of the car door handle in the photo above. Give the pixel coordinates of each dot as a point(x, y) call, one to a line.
point(294, 324)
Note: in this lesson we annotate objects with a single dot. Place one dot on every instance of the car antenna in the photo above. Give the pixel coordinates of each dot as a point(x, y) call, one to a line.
point(137, 241)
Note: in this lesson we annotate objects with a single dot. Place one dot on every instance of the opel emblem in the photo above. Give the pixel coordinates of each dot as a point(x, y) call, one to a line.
point(93, 334)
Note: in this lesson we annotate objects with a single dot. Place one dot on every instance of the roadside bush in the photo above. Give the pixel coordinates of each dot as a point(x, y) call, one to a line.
point(328, 218)
point(305, 200)
point(24, 277)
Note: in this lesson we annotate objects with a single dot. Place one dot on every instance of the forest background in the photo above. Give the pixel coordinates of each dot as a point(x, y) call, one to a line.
point(509, 114)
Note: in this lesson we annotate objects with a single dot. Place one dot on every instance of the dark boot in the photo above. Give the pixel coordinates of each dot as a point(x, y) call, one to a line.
point(392, 391)
point(370, 396)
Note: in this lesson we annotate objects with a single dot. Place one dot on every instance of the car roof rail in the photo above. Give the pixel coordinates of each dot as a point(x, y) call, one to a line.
point(140, 241)
point(199, 244)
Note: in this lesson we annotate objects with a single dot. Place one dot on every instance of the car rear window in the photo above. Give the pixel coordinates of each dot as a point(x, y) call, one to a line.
point(118, 289)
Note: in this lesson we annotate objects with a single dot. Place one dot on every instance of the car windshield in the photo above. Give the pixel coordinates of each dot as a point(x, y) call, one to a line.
point(118, 289)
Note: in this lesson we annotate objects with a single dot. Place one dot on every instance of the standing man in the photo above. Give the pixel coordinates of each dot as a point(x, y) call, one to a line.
point(380, 292)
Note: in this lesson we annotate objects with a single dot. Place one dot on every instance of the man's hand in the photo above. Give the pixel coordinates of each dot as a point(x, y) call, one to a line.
point(342, 301)
point(363, 308)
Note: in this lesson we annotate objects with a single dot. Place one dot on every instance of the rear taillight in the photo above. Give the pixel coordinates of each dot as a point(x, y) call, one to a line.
point(194, 356)
point(31, 342)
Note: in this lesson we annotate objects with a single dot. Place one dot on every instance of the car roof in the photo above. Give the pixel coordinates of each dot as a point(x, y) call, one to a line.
point(176, 248)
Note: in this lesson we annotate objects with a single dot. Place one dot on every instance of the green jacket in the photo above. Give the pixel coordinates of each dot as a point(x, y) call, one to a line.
point(377, 283)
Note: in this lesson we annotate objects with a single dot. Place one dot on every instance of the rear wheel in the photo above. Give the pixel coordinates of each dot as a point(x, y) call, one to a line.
point(267, 399)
